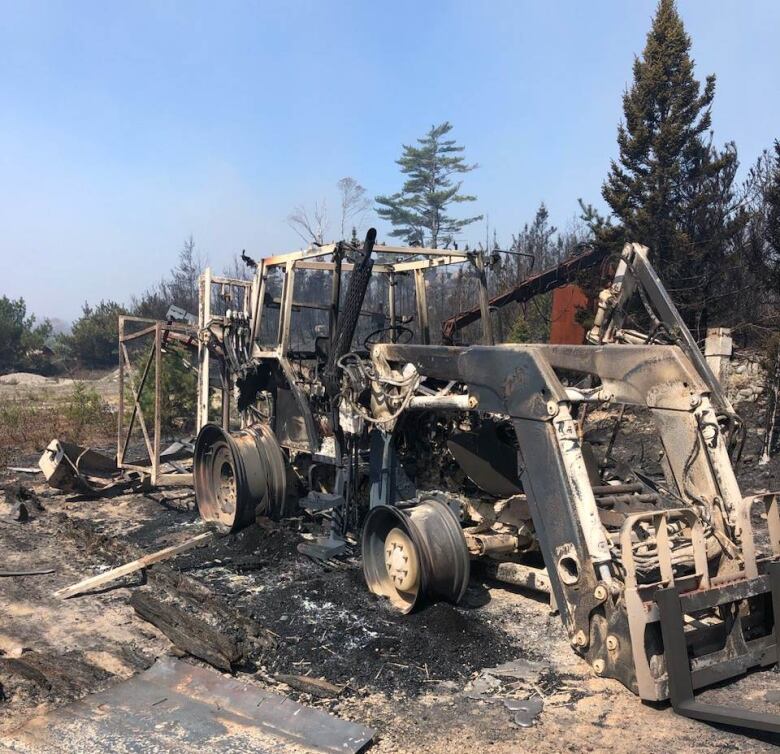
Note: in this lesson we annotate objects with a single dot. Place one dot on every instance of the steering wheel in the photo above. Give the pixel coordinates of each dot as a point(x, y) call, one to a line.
point(373, 338)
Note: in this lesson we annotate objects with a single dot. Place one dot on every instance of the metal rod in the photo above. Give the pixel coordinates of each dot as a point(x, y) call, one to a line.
point(484, 302)
point(422, 307)
point(225, 372)
point(157, 400)
point(617, 489)
point(443, 402)
point(137, 410)
point(285, 314)
point(204, 317)
point(258, 289)
point(335, 295)
point(120, 456)
point(391, 283)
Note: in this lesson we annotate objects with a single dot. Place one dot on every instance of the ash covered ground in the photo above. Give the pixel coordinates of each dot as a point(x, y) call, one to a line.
point(419, 680)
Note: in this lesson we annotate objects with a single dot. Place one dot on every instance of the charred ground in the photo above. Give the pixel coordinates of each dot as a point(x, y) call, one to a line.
point(410, 677)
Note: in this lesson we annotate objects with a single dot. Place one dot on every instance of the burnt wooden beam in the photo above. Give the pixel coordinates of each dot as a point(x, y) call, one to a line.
point(190, 632)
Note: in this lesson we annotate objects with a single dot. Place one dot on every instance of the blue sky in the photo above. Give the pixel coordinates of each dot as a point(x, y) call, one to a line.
point(126, 127)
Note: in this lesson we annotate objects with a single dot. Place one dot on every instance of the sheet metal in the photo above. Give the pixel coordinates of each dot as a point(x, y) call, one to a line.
point(567, 301)
point(181, 708)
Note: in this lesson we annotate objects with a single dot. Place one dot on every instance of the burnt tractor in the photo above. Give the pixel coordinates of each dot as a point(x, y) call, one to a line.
point(331, 399)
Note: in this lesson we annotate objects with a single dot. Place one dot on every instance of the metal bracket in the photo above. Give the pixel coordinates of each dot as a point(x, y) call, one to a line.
point(324, 548)
point(321, 501)
point(679, 670)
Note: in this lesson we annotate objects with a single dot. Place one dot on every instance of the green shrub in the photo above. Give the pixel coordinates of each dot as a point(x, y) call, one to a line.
point(21, 340)
point(29, 423)
point(532, 324)
point(93, 340)
point(85, 411)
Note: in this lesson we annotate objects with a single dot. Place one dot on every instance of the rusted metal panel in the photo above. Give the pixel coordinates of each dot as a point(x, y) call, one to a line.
point(567, 301)
point(178, 707)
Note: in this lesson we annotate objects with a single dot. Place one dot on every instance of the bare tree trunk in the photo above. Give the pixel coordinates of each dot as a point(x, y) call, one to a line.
point(773, 382)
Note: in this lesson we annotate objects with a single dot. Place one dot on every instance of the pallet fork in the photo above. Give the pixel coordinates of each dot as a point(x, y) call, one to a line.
point(681, 691)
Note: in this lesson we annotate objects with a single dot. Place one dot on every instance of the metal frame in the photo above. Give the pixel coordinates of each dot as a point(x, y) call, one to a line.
point(160, 331)
point(312, 259)
point(611, 604)
point(681, 684)
point(207, 323)
point(520, 382)
point(634, 271)
point(302, 260)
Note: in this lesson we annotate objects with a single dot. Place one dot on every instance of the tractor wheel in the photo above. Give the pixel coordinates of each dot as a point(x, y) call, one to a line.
point(238, 476)
point(415, 554)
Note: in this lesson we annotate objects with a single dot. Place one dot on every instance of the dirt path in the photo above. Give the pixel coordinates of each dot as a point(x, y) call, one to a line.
point(22, 386)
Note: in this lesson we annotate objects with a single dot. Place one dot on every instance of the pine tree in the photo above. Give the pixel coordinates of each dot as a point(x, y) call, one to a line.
point(772, 257)
point(538, 246)
point(671, 189)
point(418, 211)
point(761, 243)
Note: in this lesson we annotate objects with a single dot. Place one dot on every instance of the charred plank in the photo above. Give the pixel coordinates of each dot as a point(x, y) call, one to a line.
point(191, 633)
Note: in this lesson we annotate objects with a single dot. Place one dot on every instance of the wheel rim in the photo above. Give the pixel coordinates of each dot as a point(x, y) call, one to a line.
point(385, 528)
point(445, 549)
point(401, 561)
point(224, 480)
point(415, 554)
point(238, 476)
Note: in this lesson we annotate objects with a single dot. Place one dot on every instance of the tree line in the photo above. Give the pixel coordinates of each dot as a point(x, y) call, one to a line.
point(714, 239)
point(26, 345)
